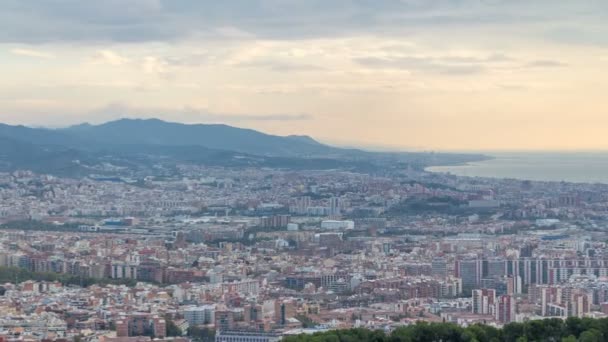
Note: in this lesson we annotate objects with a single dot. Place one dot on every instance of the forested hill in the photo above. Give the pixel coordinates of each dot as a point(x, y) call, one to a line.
point(140, 146)
point(550, 330)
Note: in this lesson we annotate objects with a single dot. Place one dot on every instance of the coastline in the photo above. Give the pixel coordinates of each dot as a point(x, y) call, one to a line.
point(565, 167)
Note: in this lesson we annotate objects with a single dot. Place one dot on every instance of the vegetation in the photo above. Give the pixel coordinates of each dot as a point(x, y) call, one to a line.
point(40, 226)
point(172, 330)
point(553, 330)
point(16, 275)
point(306, 321)
point(432, 185)
point(417, 206)
point(83, 149)
point(199, 334)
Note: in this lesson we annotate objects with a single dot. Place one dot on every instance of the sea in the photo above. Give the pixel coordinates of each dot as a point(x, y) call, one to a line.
point(576, 167)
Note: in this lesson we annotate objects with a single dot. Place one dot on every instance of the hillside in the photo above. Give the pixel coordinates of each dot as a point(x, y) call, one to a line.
point(137, 145)
point(220, 137)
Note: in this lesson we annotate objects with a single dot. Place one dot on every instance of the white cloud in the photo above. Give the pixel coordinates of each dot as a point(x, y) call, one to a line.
point(154, 65)
point(31, 53)
point(109, 57)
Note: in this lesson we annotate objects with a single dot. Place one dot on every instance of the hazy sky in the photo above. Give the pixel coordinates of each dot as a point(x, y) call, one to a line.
point(424, 74)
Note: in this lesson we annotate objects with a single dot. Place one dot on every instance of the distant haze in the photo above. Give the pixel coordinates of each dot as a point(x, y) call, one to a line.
point(418, 74)
point(581, 167)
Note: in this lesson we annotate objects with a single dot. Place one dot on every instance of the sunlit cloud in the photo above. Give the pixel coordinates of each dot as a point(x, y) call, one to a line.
point(31, 53)
point(441, 74)
point(109, 57)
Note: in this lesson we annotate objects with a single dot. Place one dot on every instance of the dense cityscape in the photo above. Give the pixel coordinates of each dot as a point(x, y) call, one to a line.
point(303, 171)
point(259, 254)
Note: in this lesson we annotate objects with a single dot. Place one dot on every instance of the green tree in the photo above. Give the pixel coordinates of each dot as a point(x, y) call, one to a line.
point(171, 328)
point(199, 334)
point(573, 326)
point(592, 335)
point(551, 330)
point(512, 331)
point(306, 321)
point(483, 333)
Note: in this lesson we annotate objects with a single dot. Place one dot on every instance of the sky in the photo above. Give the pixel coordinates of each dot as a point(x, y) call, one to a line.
point(399, 74)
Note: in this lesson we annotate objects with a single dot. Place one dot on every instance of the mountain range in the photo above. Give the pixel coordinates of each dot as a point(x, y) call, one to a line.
point(141, 143)
point(219, 137)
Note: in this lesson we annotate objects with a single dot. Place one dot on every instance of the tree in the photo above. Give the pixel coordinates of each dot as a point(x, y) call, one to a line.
point(571, 330)
point(592, 335)
point(201, 334)
point(483, 333)
point(171, 328)
point(512, 331)
point(306, 321)
point(16, 275)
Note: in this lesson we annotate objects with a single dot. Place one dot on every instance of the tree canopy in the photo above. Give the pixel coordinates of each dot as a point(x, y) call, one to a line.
point(551, 330)
point(17, 275)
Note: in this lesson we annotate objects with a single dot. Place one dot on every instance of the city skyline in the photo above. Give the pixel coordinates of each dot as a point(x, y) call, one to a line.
point(422, 75)
point(303, 170)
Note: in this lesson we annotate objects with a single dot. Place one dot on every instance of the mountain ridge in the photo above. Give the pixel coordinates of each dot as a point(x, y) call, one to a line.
point(141, 144)
point(214, 136)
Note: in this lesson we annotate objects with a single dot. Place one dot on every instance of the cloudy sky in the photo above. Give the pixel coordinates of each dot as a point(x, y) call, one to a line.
point(417, 74)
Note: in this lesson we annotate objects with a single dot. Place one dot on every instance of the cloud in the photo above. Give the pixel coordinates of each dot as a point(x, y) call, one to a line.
point(109, 57)
point(266, 117)
point(280, 66)
point(147, 64)
point(192, 59)
point(545, 63)
point(592, 36)
point(456, 65)
point(444, 65)
point(512, 87)
point(172, 20)
point(186, 114)
point(31, 53)
point(154, 65)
